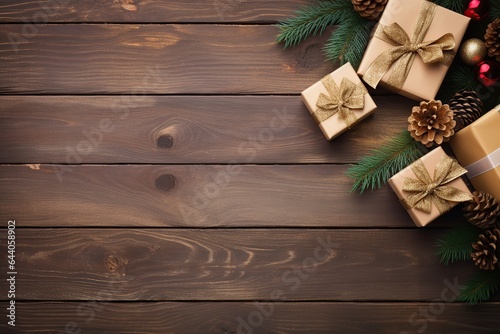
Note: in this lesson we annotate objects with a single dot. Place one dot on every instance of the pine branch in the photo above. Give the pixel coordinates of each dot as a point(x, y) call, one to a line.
point(463, 77)
point(348, 42)
point(374, 170)
point(495, 10)
point(313, 20)
point(455, 5)
point(456, 244)
point(481, 286)
point(459, 77)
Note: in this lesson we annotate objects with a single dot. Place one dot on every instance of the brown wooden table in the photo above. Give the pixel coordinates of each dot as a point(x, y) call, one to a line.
point(165, 177)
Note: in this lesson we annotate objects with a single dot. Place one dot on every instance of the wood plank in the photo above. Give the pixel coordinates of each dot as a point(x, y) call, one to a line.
point(148, 11)
point(159, 59)
point(237, 317)
point(230, 264)
point(195, 196)
point(182, 129)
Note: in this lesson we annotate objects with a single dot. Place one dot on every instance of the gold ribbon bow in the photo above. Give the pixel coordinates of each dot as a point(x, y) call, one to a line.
point(424, 191)
point(340, 100)
point(402, 55)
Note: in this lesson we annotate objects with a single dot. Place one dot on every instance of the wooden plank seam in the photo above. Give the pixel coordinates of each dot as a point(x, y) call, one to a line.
point(39, 19)
point(432, 310)
point(291, 279)
point(247, 150)
point(120, 107)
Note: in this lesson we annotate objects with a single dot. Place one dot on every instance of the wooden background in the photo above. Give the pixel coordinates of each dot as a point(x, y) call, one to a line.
point(165, 177)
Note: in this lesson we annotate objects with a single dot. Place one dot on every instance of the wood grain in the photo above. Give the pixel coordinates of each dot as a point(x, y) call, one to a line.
point(182, 129)
point(160, 59)
point(158, 11)
point(155, 189)
point(195, 196)
point(230, 264)
point(237, 317)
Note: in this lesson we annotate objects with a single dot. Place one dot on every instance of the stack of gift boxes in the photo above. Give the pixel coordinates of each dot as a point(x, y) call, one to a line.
point(410, 52)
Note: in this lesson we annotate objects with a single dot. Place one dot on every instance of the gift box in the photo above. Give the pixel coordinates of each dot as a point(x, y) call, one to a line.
point(477, 147)
point(338, 101)
point(430, 186)
point(412, 48)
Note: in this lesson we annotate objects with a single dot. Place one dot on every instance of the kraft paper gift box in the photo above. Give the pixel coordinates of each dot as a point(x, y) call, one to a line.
point(430, 187)
point(477, 148)
point(338, 101)
point(412, 48)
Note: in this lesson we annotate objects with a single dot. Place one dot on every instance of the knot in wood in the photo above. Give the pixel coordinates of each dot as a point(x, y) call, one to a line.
point(165, 182)
point(165, 141)
point(112, 262)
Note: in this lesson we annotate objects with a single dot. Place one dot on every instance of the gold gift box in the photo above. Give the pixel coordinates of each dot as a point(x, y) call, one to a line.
point(477, 148)
point(335, 125)
point(423, 80)
point(430, 161)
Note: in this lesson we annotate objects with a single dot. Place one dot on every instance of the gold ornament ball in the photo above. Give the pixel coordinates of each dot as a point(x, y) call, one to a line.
point(472, 51)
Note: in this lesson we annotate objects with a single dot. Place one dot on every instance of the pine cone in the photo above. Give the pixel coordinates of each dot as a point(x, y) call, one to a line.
point(486, 250)
point(467, 107)
point(431, 122)
point(369, 9)
point(492, 39)
point(483, 211)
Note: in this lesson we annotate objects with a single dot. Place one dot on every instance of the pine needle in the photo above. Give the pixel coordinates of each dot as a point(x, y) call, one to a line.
point(481, 286)
point(456, 244)
point(313, 20)
point(348, 42)
point(495, 10)
point(463, 77)
point(374, 170)
point(455, 5)
point(459, 77)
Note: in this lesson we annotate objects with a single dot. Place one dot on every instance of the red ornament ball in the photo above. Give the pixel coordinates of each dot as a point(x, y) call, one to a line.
point(488, 72)
point(477, 9)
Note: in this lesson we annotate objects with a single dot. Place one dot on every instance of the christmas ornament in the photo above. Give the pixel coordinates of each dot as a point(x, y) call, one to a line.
point(483, 211)
point(477, 9)
point(488, 72)
point(467, 107)
point(472, 51)
point(492, 39)
point(369, 9)
point(485, 254)
point(431, 122)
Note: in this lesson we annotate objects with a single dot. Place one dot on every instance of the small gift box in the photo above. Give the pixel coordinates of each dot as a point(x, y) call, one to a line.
point(338, 101)
point(477, 147)
point(412, 48)
point(430, 186)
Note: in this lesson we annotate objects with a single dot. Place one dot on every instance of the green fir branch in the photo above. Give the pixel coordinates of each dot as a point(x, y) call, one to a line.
point(463, 77)
point(374, 170)
point(456, 244)
point(495, 10)
point(480, 287)
point(348, 42)
point(313, 20)
point(459, 77)
point(455, 5)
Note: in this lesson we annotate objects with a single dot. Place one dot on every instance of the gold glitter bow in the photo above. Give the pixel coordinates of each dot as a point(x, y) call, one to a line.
point(402, 55)
point(340, 100)
point(424, 191)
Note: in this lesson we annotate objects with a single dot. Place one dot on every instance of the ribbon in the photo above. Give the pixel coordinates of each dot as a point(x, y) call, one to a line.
point(487, 163)
point(340, 100)
point(484, 165)
point(401, 56)
point(424, 191)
